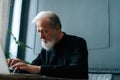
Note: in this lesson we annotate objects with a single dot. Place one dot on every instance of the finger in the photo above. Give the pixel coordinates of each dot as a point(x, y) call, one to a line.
point(15, 69)
point(14, 61)
point(9, 61)
point(19, 64)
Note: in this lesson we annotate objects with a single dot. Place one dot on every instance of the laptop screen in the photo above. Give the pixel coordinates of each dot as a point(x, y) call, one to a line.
point(3, 64)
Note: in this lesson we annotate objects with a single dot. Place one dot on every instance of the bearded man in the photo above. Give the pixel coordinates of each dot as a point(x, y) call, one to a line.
point(62, 55)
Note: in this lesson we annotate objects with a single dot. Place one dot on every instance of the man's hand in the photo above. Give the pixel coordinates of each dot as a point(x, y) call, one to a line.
point(27, 67)
point(11, 62)
point(18, 64)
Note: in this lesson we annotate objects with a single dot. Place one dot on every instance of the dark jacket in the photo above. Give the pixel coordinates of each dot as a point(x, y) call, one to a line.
point(68, 58)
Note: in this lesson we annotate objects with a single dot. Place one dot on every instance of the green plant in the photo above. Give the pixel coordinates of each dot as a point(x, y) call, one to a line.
point(19, 43)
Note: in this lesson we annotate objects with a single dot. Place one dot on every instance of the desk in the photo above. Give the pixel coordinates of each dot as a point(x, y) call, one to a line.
point(18, 76)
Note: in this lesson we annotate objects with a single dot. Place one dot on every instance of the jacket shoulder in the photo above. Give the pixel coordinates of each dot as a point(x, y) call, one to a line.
point(75, 39)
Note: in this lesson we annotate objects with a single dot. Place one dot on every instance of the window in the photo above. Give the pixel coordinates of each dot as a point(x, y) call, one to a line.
point(15, 27)
point(18, 20)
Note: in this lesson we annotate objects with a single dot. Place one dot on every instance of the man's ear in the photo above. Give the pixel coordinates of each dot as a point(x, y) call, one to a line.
point(58, 29)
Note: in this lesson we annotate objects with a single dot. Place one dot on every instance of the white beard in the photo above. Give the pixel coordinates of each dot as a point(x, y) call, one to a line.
point(49, 45)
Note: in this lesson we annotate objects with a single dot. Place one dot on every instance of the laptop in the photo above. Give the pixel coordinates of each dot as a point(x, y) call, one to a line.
point(3, 64)
point(5, 70)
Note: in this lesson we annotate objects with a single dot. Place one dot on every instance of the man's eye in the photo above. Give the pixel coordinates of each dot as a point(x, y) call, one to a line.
point(45, 31)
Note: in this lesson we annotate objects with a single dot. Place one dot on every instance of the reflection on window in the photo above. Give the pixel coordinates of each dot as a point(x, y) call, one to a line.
point(15, 28)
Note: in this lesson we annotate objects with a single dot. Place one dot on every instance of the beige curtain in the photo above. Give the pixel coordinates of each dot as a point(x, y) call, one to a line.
point(4, 12)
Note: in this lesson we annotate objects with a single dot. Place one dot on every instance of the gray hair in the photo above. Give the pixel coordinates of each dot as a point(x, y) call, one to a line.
point(51, 16)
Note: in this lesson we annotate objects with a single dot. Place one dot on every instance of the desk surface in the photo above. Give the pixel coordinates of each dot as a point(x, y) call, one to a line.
point(17, 76)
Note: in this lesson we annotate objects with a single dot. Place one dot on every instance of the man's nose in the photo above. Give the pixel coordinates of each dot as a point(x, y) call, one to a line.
point(42, 36)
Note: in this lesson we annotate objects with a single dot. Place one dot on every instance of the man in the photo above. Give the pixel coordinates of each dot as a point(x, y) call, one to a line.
point(62, 55)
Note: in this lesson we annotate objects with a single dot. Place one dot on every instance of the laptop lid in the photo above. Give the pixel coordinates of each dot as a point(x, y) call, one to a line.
point(3, 64)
